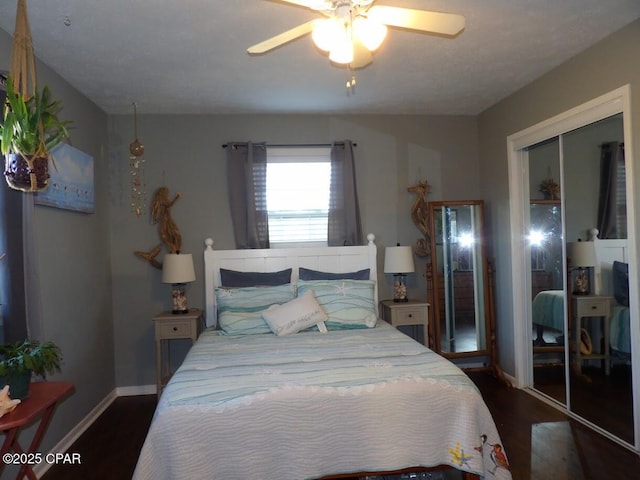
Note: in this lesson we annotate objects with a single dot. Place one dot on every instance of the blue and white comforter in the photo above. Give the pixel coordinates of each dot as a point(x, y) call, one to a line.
point(311, 404)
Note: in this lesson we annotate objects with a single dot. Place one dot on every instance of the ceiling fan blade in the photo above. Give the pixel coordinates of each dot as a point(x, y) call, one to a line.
point(283, 38)
point(361, 56)
point(449, 24)
point(312, 4)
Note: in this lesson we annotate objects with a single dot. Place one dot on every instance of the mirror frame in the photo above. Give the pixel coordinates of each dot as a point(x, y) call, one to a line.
point(433, 285)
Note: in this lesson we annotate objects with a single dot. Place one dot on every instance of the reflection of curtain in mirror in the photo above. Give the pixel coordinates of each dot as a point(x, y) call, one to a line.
point(612, 212)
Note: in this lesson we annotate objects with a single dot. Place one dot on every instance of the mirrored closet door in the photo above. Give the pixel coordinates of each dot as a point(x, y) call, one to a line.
point(577, 275)
point(548, 269)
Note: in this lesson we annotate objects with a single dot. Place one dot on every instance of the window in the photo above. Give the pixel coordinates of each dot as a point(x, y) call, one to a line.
point(298, 182)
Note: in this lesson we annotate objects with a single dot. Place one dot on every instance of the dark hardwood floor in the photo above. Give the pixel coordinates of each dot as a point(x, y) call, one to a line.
point(110, 447)
point(541, 442)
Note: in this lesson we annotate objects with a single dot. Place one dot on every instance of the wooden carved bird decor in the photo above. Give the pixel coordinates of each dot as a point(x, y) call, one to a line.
point(420, 217)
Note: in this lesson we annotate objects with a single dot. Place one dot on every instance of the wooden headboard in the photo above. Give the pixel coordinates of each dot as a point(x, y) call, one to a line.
point(326, 259)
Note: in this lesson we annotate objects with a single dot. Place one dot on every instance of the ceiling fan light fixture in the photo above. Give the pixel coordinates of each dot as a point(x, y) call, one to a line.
point(326, 33)
point(369, 32)
point(342, 51)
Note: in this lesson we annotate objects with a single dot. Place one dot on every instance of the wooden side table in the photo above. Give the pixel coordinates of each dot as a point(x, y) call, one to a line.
point(169, 326)
point(41, 402)
point(412, 313)
point(592, 306)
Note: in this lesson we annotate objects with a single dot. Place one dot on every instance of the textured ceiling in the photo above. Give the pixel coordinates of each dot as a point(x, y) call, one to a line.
point(190, 56)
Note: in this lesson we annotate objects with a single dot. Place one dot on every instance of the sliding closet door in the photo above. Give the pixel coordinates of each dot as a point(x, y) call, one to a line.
point(571, 178)
point(547, 273)
point(600, 378)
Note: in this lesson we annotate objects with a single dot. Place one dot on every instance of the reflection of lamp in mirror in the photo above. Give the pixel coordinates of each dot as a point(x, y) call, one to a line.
point(399, 261)
point(177, 269)
point(582, 256)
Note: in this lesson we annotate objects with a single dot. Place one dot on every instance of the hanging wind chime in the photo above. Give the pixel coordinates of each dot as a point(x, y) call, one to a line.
point(136, 168)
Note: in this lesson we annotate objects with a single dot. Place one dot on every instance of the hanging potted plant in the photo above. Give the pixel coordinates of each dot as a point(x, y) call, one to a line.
point(19, 360)
point(30, 129)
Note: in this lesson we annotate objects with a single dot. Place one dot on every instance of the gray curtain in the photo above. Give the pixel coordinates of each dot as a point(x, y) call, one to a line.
point(611, 158)
point(344, 226)
point(13, 307)
point(247, 183)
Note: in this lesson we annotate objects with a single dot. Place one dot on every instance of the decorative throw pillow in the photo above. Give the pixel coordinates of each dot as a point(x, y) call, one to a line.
point(347, 303)
point(233, 278)
point(621, 282)
point(296, 315)
point(307, 274)
point(240, 309)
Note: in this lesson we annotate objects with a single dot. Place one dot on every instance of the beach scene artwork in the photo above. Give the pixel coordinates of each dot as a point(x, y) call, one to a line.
point(71, 182)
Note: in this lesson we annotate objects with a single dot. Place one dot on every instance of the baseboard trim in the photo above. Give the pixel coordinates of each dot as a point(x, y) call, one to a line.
point(135, 390)
point(509, 378)
point(65, 443)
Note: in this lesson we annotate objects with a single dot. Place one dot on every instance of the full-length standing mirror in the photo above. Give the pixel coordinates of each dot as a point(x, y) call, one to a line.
point(458, 288)
point(572, 192)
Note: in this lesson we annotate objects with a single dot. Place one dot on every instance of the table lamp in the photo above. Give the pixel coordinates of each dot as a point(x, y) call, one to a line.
point(399, 261)
point(177, 269)
point(582, 256)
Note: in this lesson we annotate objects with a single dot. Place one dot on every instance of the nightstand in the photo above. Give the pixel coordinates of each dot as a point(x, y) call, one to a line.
point(412, 312)
point(169, 326)
point(591, 306)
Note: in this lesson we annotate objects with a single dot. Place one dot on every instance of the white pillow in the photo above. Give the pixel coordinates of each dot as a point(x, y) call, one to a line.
point(296, 315)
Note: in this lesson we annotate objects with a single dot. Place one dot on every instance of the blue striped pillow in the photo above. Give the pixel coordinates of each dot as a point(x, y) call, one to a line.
point(347, 303)
point(240, 309)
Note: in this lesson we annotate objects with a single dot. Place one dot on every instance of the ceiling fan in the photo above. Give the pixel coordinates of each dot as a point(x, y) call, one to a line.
point(354, 29)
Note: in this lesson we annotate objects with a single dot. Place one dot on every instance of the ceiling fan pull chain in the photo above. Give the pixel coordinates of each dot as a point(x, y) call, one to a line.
point(351, 84)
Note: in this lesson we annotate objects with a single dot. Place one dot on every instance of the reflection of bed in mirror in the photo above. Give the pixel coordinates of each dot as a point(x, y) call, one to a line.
point(547, 310)
point(611, 279)
point(548, 317)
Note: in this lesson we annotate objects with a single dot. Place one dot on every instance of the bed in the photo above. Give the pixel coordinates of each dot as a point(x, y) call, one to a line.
point(357, 398)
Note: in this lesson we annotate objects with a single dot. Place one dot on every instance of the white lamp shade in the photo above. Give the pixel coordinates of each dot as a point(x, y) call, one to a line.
point(398, 260)
point(178, 268)
point(582, 254)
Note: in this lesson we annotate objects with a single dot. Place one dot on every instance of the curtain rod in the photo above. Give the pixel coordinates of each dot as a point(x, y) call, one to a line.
point(309, 145)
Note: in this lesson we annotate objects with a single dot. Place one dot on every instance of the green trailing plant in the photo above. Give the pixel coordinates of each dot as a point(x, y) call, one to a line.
point(29, 355)
point(31, 126)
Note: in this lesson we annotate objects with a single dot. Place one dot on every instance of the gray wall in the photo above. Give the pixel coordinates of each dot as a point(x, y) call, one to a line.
point(73, 254)
point(602, 68)
point(185, 154)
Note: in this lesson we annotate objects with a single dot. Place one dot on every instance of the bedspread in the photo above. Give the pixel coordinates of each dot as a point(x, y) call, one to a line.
point(548, 309)
point(310, 405)
point(620, 336)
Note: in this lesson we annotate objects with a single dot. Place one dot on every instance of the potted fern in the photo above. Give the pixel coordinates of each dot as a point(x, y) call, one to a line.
point(29, 130)
point(19, 360)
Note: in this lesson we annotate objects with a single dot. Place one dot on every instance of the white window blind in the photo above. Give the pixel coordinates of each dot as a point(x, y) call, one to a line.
point(298, 195)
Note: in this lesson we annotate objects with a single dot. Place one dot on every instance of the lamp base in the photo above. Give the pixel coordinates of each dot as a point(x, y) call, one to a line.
point(179, 299)
point(400, 288)
point(581, 282)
